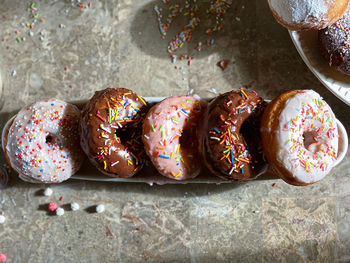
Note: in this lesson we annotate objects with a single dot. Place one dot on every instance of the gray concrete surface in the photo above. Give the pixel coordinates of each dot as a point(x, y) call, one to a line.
point(76, 51)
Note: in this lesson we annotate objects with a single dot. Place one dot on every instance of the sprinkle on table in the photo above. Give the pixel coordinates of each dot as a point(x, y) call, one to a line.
point(52, 206)
point(2, 219)
point(3, 257)
point(48, 191)
point(100, 208)
point(59, 211)
point(223, 64)
point(75, 206)
point(192, 11)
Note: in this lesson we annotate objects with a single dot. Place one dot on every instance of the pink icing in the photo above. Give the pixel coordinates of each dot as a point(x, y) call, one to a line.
point(163, 136)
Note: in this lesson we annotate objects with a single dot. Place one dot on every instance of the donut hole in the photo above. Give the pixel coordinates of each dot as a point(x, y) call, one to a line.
point(250, 132)
point(184, 138)
point(124, 135)
point(187, 136)
point(50, 138)
point(310, 140)
point(245, 129)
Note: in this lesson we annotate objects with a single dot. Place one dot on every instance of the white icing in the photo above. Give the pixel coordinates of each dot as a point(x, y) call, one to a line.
point(307, 114)
point(300, 11)
point(31, 155)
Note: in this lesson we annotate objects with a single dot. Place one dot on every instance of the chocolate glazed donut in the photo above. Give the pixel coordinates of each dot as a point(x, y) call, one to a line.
point(110, 129)
point(232, 142)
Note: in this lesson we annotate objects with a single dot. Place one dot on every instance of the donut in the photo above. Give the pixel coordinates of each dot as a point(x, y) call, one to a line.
point(110, 131)
point(41, 143)
point(307, 14)
point(300, 137)
point(172, 136)
point(334, 44)
point(232, 143)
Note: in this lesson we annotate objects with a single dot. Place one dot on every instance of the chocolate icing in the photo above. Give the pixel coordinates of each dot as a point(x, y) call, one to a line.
point(115, 148)
point(232, 142)
point(334, 43)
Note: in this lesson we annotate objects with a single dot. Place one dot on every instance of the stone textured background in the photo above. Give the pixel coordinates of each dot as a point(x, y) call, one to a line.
point(118, 43)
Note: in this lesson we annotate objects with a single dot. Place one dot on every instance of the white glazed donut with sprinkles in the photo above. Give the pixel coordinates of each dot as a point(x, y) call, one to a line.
point(306, 138)
point(42, 143)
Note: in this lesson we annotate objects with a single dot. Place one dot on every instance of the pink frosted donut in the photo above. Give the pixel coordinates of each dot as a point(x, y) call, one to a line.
point(172, 137)
point(42, 142)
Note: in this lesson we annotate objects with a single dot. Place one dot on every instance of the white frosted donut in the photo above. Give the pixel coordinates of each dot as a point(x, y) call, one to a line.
point(307, 137)
point(42, 143)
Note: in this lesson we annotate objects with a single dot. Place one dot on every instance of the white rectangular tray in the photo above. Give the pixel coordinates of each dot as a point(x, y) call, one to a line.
point(150, 176)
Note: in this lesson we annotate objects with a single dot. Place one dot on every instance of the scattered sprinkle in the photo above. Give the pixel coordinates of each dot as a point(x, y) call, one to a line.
point(60, 211)
point(74, 206)
point(48, 191)
point(223, 64)
point(192, 12)
point(100, 208)
point(52, 207)
point(212, 90)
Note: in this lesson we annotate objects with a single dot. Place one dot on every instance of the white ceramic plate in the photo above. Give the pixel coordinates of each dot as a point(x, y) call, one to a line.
point(306, 42)
point(150, 176)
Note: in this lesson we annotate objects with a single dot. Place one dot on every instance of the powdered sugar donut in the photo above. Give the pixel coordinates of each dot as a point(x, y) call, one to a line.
point(172, 136)
point(307, 14)
point(300, 137)
point(42, 142)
